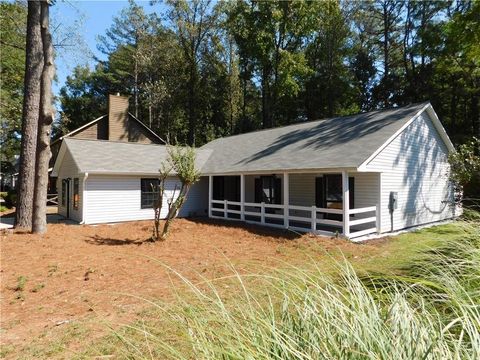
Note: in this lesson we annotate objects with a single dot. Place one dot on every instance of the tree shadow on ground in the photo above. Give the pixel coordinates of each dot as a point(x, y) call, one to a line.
point(99, 240)
point(278, 234)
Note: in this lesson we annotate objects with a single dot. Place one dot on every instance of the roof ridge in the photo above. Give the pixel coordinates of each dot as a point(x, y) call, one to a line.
point(318, 120)
point(112, 141)
point(128, 143)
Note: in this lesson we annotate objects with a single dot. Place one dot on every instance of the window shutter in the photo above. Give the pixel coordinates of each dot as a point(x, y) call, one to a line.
point(278, 190)
point(319, 192)
point(258, 190)
point(351, 189)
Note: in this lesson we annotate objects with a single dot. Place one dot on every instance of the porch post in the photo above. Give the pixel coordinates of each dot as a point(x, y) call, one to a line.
point(242, 197)
point(210, 193)
point(379, 204)
point(286, 199)
point(346, 204)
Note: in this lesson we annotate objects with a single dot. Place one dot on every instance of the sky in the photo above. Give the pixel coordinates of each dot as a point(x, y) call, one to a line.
point(88, 19)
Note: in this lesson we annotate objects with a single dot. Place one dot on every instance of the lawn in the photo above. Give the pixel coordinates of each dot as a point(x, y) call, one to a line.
point(63, 294)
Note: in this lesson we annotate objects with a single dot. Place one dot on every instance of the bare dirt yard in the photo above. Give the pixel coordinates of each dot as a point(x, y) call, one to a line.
point(76, 273)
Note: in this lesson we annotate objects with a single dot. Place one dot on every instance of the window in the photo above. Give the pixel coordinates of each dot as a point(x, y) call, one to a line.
point(149, 192)
point(329, 191)
point(226, 188)
point(333, 186)
point(76, 193)
point(268, 190)
point(64, 192)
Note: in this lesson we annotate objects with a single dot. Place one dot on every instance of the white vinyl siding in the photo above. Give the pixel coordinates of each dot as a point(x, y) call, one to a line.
point(367, 189)
point(69, 170)
point(117, 198)
point(302, 189)
point(415, 165)
point(197, 200)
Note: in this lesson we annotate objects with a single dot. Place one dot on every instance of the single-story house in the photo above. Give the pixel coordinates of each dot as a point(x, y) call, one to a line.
point(374, 172)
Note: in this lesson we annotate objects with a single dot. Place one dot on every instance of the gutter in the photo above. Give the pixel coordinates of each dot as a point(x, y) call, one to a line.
point(84, 208)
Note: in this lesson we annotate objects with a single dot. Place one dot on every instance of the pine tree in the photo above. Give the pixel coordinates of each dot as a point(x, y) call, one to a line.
point(31, 110)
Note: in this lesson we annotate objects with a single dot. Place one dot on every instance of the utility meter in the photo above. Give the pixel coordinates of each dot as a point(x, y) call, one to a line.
point(393, 203)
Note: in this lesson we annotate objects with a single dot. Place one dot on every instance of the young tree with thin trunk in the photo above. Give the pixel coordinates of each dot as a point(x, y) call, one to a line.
point(31, 109)
point(45, 121)
point(158, 204)
point(181, 163)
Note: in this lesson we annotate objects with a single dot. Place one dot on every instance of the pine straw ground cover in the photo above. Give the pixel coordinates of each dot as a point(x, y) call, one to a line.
point(104, 291)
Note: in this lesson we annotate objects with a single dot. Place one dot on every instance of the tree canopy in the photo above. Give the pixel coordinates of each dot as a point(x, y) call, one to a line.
point(13, 17)
point(197, 70)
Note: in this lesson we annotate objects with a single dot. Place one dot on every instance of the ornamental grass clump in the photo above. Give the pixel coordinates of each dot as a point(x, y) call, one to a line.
point(431, 311)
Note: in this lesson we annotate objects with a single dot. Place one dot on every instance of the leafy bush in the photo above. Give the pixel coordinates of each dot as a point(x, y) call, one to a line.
point(465, 170)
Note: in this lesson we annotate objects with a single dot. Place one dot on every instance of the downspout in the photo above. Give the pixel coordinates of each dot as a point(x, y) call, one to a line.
point(84, 198)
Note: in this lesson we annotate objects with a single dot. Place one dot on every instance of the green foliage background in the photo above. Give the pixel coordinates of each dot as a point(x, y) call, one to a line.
point(198, 70)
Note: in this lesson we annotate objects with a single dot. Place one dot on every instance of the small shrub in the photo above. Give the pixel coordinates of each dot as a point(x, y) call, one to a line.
point(37, 288)
point(20, 287)
point(21, 282)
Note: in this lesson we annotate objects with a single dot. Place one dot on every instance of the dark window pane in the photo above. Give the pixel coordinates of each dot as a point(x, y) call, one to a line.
point(149, 192)
point(334, 188)
point(270, 190)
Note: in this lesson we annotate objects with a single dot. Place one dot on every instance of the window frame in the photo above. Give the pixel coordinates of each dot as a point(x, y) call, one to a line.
point(154, 194)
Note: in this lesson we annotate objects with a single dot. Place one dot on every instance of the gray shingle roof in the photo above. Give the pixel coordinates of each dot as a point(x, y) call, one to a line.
point(98, 156)
point(341, 142)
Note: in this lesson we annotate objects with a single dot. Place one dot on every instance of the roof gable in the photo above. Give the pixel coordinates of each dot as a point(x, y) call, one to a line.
point(431, 116)
point(135, 129)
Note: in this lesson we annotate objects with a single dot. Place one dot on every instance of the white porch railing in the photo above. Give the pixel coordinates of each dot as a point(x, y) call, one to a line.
point(303, 219)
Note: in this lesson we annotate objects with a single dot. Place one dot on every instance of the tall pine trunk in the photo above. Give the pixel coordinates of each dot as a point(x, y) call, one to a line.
point(192, 121)
point(44, 127)
point(31, 104)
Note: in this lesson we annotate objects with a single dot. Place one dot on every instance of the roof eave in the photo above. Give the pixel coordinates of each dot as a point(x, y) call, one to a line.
point(73, 132)
point(147, 128)
point(280, 171)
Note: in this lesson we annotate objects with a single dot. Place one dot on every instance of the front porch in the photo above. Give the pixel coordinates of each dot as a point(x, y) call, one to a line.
point(327, 203)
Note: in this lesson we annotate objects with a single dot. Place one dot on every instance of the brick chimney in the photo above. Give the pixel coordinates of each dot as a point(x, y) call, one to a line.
point(118, 118)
